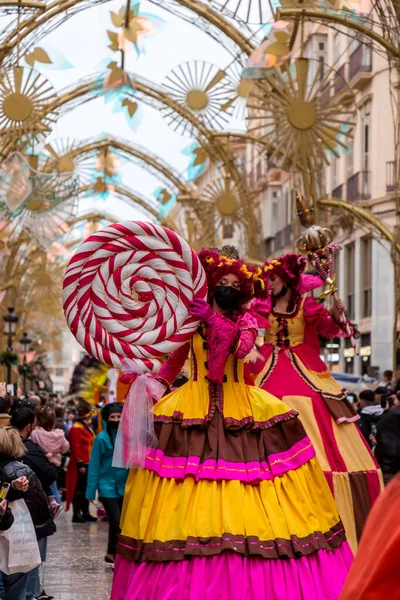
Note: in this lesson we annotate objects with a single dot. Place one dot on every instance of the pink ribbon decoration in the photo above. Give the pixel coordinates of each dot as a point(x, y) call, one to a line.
point(136, 433)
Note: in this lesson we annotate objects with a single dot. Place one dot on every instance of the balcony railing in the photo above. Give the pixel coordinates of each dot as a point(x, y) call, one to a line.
point(390, 176)
point(338, 192)
point(360, 61)
point(340, 79)
point(358, 186)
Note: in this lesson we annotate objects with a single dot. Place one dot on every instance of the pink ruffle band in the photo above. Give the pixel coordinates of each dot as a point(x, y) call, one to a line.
point(229, 576)
point(251, 472)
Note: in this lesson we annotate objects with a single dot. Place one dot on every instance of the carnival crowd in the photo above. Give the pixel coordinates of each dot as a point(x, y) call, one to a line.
point(230, 421)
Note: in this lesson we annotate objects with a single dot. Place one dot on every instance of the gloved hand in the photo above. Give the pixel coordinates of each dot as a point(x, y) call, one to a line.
point(200, 309)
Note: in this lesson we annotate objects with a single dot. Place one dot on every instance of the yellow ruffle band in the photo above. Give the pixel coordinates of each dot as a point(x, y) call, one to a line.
point(238, 401)
point(297, 504)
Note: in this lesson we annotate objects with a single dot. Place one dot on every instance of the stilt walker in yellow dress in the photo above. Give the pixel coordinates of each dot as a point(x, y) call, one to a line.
point(289, 367)
point(232, 504)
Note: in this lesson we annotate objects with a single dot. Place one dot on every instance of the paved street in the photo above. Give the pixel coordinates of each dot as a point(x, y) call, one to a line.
point(75, 568)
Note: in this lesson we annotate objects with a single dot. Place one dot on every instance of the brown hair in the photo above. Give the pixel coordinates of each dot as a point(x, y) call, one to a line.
point(45, 417)
point(11, 443)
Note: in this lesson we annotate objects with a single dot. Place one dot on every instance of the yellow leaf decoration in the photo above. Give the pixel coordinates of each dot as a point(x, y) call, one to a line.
point(131, 32)
point(114, 46)
point(164, 196)
point(117, 19)
point(131, 106)
point(42, 56)
point(39, 55)
point(201, 156)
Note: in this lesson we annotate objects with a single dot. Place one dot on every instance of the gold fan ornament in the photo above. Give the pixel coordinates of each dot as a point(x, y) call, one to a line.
point(24, 96)
point(202, 89)
point(301, 116)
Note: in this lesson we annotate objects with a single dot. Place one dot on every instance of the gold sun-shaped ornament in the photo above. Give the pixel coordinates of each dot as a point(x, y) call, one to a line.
point(202, 89)
point(62, 156)
point(24, 95)
point(239, 92)
point(223, 203)
point(47, 226)
point(302, 116)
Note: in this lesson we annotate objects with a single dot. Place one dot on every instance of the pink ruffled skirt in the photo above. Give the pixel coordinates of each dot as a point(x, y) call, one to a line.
point(230, 576)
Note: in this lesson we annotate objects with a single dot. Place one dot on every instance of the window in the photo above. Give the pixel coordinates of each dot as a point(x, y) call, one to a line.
point(274, 218)
point(365, 353)
point(227, 229)
point(288, 207)
point(366, 277)
point(336, 50)
point(335, 172)
point(365, 149)
point(350, 279)
point(317, 49)
point(350, 158)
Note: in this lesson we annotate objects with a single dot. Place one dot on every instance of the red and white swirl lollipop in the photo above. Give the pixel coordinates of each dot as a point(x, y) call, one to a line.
point(127, 290)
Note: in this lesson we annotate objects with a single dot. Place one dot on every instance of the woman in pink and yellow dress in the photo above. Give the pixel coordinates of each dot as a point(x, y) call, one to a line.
point(233, 504)
point(288, 366)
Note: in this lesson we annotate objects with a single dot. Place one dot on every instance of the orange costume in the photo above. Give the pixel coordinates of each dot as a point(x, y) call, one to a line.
point(375, 571)
point(81, 438)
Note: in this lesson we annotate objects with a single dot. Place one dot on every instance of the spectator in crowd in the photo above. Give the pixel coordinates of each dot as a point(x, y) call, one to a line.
point(5, 406)
point(370, 412)
point(388, 381)
point(23, 421)
point(387, 449)
point(53, 444)
point(11, 467)
point(81, 438)
point(105, 479)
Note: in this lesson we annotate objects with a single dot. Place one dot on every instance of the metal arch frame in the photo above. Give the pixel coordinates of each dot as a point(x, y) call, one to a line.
point(144, 157)
point(134, 197)
point(58, 12)
point(363, 214)
point(154, 95)
point(319, 15)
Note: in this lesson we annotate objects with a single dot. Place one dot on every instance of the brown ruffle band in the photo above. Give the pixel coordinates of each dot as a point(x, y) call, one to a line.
point(216, 442)
point(294, 547)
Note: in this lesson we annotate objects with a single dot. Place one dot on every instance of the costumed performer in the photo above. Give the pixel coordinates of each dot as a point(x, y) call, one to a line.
point(233, 503)
point(81, 438)
point(105, 479)
point(289, 366)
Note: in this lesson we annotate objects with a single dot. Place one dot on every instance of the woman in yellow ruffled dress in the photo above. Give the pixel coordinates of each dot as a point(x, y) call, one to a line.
point(232, 504)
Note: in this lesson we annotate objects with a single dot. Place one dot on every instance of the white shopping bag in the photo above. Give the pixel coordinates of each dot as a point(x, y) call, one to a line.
point(19, 550)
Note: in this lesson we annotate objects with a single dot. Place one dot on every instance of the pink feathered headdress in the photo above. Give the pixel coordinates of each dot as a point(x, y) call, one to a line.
point(289, 268)
point(217, 264)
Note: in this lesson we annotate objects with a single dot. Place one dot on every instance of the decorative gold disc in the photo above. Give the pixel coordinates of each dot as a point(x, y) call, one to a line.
point(302, 114)
point(65, 164)
point(197, 99)
point(36, 206)
point(17, 106)
point(227, 204)
point(244, 88)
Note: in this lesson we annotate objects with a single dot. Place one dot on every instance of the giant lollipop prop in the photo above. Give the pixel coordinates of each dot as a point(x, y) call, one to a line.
point(127, 290)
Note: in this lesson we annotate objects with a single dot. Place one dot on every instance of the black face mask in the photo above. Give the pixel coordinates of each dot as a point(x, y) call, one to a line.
point(282, 292)
point(113, 425)
point(227, 297)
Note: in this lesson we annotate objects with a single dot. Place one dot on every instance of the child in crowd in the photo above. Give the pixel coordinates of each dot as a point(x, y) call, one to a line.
point(53, 443)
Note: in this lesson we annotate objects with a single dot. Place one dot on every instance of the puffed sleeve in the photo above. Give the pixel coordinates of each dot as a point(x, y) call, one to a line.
point(322, 319)
point(173, 365)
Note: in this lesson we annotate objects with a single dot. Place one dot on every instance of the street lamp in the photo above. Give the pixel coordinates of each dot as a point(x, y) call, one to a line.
point(10, 328)
point(25, 342)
